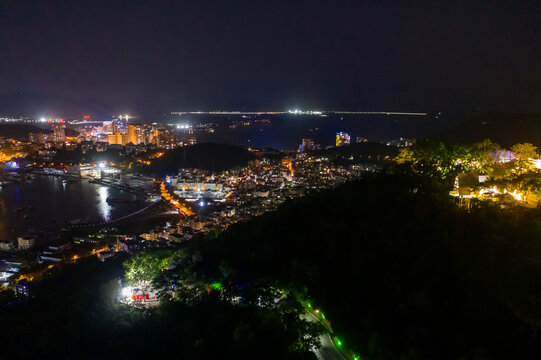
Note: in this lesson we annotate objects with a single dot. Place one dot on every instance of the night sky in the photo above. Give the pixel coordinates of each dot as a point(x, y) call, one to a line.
point(70, 57)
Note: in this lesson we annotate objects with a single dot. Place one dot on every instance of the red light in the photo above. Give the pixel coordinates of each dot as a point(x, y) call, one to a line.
point(61, 121)
point(86, 117)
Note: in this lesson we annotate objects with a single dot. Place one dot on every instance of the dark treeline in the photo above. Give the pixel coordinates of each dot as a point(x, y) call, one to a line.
point(212, 157)
point(398, 268)
point(76, 156)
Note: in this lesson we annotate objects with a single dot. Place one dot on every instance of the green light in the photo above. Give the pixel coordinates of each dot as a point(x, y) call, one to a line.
point(356, 358)
point(216, 286)
point(309, 305)
point(323, 316)
point(338, 342)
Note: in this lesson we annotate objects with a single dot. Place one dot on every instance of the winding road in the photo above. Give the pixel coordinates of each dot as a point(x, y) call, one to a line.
point(327, 350)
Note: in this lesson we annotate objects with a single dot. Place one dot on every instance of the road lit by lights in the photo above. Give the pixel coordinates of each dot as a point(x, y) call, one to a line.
point(182, 209)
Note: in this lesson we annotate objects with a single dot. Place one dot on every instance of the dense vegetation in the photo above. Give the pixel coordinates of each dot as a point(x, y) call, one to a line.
point(76, 315)
point(76, 156)
point(506, 170)
point(398, 268)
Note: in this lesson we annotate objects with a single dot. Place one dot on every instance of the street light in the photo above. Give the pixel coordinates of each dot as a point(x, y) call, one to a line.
point(127, 291)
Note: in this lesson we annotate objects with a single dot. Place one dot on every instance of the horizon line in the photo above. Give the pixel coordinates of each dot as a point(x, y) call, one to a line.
point(297, 112)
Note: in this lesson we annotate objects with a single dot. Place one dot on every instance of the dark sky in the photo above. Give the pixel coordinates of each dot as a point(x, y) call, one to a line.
point(157, 56)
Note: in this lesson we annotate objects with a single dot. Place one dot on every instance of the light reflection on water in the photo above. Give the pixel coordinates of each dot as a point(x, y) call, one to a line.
point(104, 207)
point(58, 203)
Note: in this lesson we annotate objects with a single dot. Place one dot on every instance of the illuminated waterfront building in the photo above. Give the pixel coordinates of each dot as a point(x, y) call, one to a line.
point(342, 139)
point(88, 170)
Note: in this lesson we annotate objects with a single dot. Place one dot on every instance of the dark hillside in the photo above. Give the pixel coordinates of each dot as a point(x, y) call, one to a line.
point(212, 157)
point(398, 269)
point(503, 128)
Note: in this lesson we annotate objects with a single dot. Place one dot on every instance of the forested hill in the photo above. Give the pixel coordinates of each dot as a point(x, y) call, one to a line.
point(398, 269)
point(503, 128)
point(18, 131)
point(213, 157)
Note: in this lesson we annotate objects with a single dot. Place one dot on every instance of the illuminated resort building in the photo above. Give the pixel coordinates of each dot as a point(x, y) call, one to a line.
point(342, 139)
point(88, 170)
point(191, 191)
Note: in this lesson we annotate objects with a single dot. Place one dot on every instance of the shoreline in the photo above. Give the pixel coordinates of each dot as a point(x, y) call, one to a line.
point(16, 227)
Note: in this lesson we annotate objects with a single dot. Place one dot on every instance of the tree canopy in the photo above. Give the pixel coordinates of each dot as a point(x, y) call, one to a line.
point(398, 268)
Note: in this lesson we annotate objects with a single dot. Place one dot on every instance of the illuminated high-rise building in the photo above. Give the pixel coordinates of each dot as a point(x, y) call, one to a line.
point(167, 139)
point(59, 133)
point(307, 145)
point(114, 127)
point(342, 139)
point(153, 136)
point(37, 138)
point(137, 134)
point(132, 137)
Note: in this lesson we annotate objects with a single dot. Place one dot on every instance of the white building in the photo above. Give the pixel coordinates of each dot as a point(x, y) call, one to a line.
point(25, 242)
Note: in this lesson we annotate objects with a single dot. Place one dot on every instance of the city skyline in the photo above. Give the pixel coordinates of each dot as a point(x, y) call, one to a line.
point(270, 179)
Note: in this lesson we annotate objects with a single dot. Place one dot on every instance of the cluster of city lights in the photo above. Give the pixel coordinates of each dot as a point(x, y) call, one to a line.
point(168, 197)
